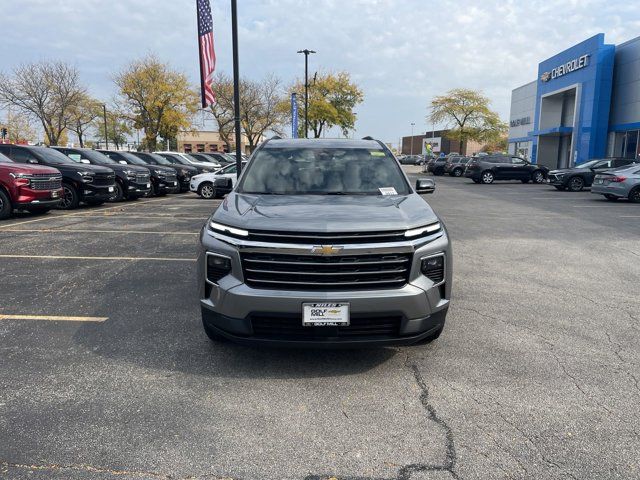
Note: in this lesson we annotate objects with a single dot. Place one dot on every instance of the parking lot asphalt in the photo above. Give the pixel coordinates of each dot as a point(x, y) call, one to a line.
point(106, 372)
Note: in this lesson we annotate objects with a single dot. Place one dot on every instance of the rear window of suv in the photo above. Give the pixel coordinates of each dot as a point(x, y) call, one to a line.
point(323, 171)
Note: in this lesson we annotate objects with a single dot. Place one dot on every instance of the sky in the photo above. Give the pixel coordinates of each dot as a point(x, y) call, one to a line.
point(402, 53)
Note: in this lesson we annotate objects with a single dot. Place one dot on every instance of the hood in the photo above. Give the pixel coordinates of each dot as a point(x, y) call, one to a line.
point(134, 168)
point(188, 168)
point(161, 168)
point(25, 168)
point(324, 213)
point(78, 167)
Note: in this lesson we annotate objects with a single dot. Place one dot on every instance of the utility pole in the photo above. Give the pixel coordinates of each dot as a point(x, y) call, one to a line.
point(236, 85)
point(412, 125)
point(106, 134)
point(306, 52)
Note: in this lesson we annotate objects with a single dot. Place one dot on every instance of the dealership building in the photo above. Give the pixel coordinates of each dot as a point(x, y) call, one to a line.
point(584, 104)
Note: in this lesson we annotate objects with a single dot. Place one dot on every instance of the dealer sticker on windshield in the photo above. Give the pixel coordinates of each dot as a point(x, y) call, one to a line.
point(325, 314)
point(388, 191)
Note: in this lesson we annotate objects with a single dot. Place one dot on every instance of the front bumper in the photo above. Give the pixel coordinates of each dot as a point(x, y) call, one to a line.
point(418, 309)
point(556, 181)
point(37, 198)
point(97, 193)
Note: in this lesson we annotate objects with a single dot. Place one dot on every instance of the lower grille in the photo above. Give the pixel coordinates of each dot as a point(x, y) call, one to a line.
point(289, 327)
point(103, 180)
point(335, 273)
point(142, 179)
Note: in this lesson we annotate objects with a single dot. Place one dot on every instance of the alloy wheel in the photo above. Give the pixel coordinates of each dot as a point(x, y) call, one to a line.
point(487, 177)
point(538, 177)
point(576, 184)
point(207, 191)
point(457, 172)
point(67, 198)
point(634, 196)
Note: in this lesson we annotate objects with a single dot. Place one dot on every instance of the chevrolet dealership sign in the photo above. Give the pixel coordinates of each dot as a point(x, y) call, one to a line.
point(571, 66)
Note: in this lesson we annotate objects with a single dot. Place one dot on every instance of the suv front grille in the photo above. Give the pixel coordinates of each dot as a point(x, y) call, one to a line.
point(104, 180)
point(171, 177)
point(142, 178)
point(336, 272)
point(51, 182)
point(289, 327)
point(323, 238)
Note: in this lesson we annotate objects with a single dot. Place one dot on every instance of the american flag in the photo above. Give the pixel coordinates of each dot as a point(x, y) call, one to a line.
point(207, 51)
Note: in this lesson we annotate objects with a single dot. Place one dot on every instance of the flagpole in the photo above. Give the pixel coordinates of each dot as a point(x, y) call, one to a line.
point(236, 85)
point(202, 96)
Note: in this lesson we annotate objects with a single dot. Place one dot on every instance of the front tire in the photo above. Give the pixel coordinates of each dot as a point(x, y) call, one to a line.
point(487, 177)
point(70, 198)
point(457, 172)
point(576, 184)
point(634, 195)
point(5, 206)
point(118, 196)
point(207, 191)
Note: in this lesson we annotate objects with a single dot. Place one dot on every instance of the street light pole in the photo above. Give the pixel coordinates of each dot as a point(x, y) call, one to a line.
point(106, 134)
point(306, 52)
point(236, 85)
point(412, 125)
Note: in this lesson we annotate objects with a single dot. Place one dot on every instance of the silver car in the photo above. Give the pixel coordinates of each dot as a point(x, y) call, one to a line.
point(620, 183)
point(325, 243)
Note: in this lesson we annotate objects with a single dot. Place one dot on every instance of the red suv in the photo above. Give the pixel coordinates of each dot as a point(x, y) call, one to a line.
point(34, 188)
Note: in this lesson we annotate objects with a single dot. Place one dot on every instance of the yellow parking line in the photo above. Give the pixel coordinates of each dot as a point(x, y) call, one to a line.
point(53, 318)
point(133, 259)
point(67, 230)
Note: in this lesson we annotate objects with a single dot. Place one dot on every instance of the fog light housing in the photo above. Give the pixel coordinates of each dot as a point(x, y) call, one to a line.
point(218, 267)
point(433, 267)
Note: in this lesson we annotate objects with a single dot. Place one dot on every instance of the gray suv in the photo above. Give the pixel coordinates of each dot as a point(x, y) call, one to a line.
point(325, 243)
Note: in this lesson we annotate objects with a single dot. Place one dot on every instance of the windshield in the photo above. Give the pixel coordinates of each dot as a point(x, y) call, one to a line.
point(52, 157)
point(192, 158)
point(588, 164)
point(94, 156)
point(159, 159)
point(131, 158)
point(323, 171)
point(174, 159)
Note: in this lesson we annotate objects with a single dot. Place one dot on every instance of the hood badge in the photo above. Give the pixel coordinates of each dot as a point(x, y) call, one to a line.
point(326, 249)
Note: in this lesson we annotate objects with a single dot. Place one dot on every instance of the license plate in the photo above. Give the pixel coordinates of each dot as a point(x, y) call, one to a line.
point(325, 314)
point(55, 194)
point(111, 189)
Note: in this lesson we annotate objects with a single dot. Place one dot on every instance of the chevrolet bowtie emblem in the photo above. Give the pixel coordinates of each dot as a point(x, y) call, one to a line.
point(326, 249)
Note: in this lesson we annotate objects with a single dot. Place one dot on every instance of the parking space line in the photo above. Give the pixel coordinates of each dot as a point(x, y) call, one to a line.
point(133, 259)
point(53, 318)
point(114, 216)
point(66, 230)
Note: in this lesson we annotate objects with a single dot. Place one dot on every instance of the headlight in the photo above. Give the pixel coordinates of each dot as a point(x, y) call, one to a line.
point(130, 173)
point(218, 227)
point(87, 177)
point(21, 179)
point(160, 174)
point(434, 227)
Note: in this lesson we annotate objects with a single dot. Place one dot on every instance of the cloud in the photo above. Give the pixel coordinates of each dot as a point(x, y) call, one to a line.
point(402, 52)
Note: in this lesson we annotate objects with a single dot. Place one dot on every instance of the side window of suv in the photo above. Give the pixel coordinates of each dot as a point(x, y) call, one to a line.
point(21, 155)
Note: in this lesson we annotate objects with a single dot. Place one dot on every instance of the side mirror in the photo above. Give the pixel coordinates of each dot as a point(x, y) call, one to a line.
point(223, 183)
point(425, 185)
point(122, 162)
point(84, 160)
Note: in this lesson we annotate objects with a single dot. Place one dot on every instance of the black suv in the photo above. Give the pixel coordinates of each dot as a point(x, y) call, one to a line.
point(183, 172)
point(488, 168)
point(91, 184)
point(131, 181)
point(581, 176)
point(163, 179)
point(455, 166)
point(436, 166)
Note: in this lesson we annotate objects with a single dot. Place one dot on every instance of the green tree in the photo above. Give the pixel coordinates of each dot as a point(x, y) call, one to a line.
point(467, 114)
point(46, 91)
point(118, 128)
point(332, 100)
point(83, 115)
point(157, 99)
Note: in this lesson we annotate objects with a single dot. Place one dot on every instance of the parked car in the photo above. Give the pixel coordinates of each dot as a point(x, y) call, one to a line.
point(437, 165)
point(175, 183)
point(132, 182)
point(620, 183)
point(331, 246)
point(408, 159)
point(203, 167)
point(455, 166)
point(163, 179)
point(581, 176)
point(204, 184)
point(486, 169)
point(184, 172)
point(213, 157)
point(34, 188)
point(92, 184)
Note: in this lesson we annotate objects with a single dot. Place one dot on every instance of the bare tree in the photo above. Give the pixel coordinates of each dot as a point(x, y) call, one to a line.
point(260, 108)
point(46, 91)
point(83, 116)
point(222, 110)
